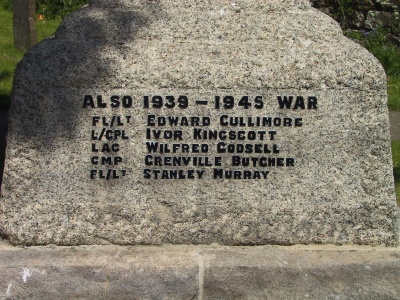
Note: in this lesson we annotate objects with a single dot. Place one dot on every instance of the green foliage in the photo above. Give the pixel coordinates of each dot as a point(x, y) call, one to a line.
point(389, 57)
point(377, 42)
point(388, 54)
point(354, 35)
point(46, 28)
point(52, 9)
point(7, 4)
point(345, 11)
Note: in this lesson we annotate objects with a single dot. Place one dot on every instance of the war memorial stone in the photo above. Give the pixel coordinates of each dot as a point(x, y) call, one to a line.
point(199, 122)
point(232, 126)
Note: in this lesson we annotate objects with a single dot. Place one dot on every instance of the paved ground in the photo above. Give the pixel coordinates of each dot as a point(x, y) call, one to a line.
point(200, 272)
point(394, 125)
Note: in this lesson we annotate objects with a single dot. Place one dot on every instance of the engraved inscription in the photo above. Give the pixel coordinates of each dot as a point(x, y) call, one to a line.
point(182, 146)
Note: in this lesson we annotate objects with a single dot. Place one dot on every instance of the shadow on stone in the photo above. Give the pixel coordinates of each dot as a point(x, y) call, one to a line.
point(3, 133)
point(83, 57)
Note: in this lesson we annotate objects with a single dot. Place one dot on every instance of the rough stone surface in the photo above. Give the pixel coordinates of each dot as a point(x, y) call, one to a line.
point(376, 19)
point(3, 133)
point(340, 189)
point(98, 273)
point(200, 272)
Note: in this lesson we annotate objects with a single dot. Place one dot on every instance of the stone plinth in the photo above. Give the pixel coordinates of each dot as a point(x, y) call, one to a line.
point(200, 272)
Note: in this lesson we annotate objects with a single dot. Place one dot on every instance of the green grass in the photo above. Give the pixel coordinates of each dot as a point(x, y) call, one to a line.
point(389, 56)
point(394, 92)
point(378, 43)
point(9, 57)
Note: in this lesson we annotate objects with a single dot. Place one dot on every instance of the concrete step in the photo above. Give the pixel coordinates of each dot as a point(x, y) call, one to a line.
point(200, 272)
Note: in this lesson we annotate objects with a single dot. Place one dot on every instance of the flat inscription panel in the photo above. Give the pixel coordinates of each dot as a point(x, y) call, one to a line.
point(213, 137)
point(193, 166)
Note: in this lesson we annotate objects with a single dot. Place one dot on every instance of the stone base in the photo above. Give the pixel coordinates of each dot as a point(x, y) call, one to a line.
point(200, 272)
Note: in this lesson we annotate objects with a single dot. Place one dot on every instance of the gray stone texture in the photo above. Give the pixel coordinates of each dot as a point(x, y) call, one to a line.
point(3, 133)
point(340, 190)
point(377, 19)
point(200, 272)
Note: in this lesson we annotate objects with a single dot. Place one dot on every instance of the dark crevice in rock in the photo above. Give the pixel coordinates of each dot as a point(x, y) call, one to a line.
point(4, 236)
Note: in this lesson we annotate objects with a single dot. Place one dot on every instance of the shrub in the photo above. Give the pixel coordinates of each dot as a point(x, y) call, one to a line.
point(377, 42)
point(345, 10)
point(52, 9)
point(7, 4)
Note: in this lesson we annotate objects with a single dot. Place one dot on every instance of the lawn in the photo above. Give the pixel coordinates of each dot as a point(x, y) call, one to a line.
point(394, 92)
point(9, 57)
point(388, 55)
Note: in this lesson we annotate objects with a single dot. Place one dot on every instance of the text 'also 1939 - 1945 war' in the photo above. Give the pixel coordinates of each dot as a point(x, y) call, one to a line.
point(222, 143)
